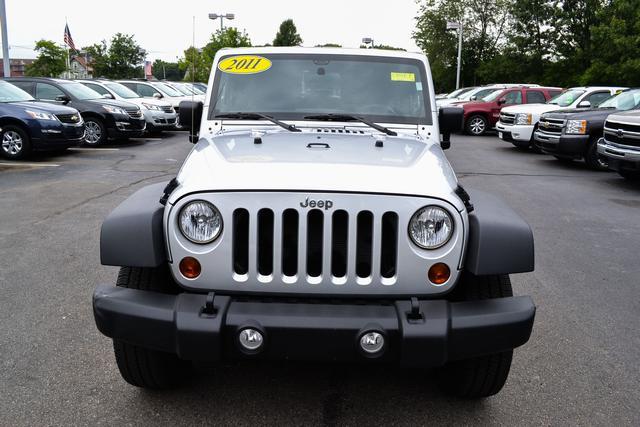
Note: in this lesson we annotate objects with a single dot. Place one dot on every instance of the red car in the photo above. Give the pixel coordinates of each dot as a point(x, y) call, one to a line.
point(482, 115)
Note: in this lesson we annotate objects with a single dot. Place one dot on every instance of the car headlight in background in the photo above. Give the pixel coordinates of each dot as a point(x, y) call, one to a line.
point(114, 110)
point(151, 107)
point(431, 227)
point(523, 119)
point(200, 222)
point(41, 115)
point(576, 127)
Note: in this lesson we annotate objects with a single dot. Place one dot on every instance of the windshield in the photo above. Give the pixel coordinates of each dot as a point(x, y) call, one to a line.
point(292, 86)
point(491, 96)
point(456, 93)
point(478, 93)
point(122, 91)
point(566, 98)
point(624, 101)
point(167, 90)
point(180, 88)
point(11, 93)
point(195, 89)
point(80, 91)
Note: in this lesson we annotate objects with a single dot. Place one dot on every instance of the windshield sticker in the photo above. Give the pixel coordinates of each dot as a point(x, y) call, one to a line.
point(244, 64)
point(403, 77)
point(419, 86)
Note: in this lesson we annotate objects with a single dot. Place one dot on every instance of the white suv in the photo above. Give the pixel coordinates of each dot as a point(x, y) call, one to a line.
point(158, 114)
point(158, 90)
point(517, 123)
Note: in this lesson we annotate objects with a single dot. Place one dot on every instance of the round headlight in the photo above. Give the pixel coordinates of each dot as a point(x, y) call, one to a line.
point(200, 222)
point(430, 227)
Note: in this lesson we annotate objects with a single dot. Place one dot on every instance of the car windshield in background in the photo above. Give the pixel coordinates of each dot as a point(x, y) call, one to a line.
point(290, 86)
point(479, 94)
point(491, 96)
point(196, 89)
point(167, 90)
point(80, 91)
point(121, 90)
point(566, 98)
point(624, 101)
point(182, 88)
point(11, 93)
point(456, 92)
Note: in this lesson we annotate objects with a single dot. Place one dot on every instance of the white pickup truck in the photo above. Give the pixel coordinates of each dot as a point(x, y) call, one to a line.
point(517, 123)
point(316, 218)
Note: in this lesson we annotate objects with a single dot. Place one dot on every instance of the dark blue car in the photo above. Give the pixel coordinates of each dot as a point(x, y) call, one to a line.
point(27, 125)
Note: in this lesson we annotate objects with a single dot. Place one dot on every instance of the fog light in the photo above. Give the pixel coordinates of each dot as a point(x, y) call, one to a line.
point(439, 273)
point(190, 267)
point(251, 339)
point(372, 342)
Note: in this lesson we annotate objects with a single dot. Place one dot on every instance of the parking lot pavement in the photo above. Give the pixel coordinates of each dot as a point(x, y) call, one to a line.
point(579, 368)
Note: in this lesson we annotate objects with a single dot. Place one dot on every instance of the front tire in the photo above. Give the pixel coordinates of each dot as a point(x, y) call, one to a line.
point(144, 367)
point(15, 142)
point(482, 376)
point(476, 125)
point(95, 132)
point(592, 159)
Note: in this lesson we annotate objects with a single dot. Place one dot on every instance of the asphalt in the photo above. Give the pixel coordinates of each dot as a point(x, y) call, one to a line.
point(579, 368)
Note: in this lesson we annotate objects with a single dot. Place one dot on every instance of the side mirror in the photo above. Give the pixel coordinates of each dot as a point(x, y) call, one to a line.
point(108, 96)
point(190, 118)
point(157, 95)
point(584, 104)
point(502, 101)
point(450, 119)
point(63, 98)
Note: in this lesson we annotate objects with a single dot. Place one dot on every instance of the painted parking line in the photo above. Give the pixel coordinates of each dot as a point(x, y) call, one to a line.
point(30, 165)
point(92, 149)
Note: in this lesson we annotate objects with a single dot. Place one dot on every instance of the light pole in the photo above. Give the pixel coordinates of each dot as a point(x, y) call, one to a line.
point(457, 26)
point(222, 16)
point(6, 61)
point(367, 41)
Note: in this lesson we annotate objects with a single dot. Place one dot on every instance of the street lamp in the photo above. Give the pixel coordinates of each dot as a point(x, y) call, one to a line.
point(367, 40)
point(222, 16)
point(457, 26)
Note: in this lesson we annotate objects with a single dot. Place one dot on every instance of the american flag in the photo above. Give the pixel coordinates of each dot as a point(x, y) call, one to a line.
point(147, 68)
point(68, 40)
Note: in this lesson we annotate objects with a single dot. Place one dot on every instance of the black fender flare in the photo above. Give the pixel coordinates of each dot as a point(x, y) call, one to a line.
point(132, 235)
point(500, 241)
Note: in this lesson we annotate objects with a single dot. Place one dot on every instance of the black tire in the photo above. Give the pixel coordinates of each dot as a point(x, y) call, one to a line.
point(15, 143)
point(143, 367)
point(592, 159)
point(521, 145)
point(481, 376)
point(476, 125)
point(630, 175)
point(95, 132)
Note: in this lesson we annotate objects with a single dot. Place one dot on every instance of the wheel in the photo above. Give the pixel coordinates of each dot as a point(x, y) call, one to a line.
point(481, 376)
point(16, 143)
point(95, 132)
point(592, 159)
point(476, 125)
point(630, 175)
point(139, 366)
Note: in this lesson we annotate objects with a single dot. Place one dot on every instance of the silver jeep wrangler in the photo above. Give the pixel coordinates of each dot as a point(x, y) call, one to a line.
point(316, 218)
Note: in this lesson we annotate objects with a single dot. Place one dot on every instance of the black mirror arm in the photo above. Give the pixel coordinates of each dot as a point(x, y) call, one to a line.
point(445, 144)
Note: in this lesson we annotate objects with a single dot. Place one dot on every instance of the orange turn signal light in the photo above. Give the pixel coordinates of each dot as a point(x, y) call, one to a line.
point(190, 267)
point(439, 273)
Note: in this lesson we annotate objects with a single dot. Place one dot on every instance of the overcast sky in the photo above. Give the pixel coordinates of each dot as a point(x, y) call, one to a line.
point(164, 28)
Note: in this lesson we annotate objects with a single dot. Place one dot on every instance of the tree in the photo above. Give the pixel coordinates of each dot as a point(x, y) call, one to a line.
point(167, 70)
point(329, 45)
point(287, 35)
point(121, 59)
point(51, 61)
point(194, 65)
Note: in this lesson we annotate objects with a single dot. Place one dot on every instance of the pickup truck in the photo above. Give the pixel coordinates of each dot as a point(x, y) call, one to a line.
point(620, 146)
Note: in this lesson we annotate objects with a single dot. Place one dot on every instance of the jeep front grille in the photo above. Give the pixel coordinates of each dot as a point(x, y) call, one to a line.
point(315, 243)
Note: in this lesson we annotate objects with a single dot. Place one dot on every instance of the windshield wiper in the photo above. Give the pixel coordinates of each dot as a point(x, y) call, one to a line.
point(257, 116)
point(350, 118)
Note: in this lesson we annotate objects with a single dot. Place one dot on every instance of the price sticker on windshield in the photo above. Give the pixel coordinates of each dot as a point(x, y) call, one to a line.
point(403, 77)
point(244, 64)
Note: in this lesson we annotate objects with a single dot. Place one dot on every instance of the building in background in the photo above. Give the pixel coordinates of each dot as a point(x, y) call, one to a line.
point(80, 67)
point(17, 66)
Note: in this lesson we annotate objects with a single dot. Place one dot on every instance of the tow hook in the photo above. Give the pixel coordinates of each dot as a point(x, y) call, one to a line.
point(209, 309)
point(414, 315)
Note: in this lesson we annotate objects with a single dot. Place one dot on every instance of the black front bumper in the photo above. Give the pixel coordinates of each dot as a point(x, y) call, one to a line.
point(313, 331)
point(562, 145)
point(127, 128)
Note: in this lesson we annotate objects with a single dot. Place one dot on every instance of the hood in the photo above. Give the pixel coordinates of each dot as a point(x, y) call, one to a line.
point(115, 103)
point(582, 113)
point(44, 106)
point(536, 109)
point(310, 161)
point(631, 116)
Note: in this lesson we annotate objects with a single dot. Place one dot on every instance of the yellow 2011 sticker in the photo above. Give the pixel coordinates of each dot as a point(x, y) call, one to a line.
point(244, 64)
point(403, 77)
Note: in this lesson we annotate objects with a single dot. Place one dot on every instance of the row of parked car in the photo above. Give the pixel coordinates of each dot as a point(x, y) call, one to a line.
point(596, 124)
point(55, 114)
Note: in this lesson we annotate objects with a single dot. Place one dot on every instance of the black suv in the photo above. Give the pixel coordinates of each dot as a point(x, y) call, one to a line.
point(104, 118)
point(574, 134)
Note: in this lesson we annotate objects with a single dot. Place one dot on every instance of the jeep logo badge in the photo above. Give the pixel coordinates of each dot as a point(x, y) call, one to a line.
point(326, 204)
